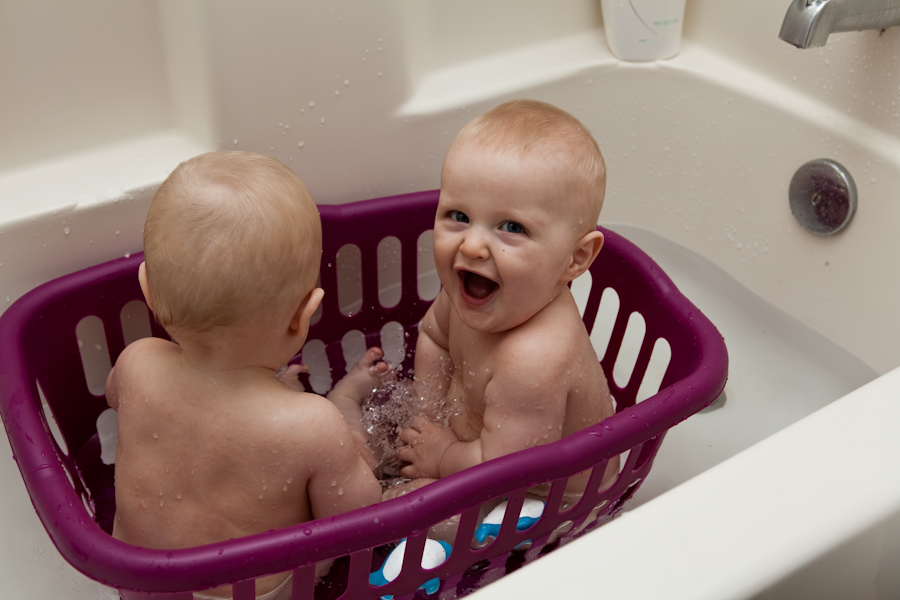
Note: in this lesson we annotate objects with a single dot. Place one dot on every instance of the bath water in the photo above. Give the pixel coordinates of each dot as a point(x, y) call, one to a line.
point(386, 412)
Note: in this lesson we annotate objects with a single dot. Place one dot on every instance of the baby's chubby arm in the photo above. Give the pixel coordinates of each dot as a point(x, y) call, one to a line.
point(136, 352)
point(340, 480)
point(111, 390)
point(433, 366)
point(525, 406)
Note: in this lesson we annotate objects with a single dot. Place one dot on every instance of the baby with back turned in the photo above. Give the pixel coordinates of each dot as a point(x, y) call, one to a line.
point(212, 445)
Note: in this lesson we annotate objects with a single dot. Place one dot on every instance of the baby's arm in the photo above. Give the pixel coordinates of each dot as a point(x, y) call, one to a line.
point(341, 480)
point(111, 390)
point(433, 365)
point(524, 407)
point(136, 352)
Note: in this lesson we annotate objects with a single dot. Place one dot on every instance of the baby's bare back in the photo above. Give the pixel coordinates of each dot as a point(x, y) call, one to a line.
point(204, 458)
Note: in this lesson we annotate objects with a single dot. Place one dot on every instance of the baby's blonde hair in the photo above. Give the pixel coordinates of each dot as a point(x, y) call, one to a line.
point(523, 127)
point(231, 238)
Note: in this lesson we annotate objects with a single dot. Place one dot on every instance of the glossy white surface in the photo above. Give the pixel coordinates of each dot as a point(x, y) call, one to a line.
point(807, 513)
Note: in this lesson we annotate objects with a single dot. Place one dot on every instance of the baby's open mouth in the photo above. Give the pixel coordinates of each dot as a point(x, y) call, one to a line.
point(477, 286)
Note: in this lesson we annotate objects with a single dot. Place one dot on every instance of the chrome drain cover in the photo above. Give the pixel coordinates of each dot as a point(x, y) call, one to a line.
point(823, 196)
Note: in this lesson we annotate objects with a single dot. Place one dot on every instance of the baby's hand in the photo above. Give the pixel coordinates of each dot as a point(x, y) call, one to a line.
point(289, 375)
point(426, 443)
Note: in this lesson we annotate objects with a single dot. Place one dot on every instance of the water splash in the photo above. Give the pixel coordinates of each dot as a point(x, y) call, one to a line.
point(390, 409)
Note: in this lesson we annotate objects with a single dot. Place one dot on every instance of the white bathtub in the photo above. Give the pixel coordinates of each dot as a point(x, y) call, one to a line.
point(700, 150)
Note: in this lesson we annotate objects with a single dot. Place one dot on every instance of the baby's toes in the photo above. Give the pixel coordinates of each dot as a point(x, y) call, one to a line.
point(379, 369)
point(364, 377)
point(372, 365)
point(371, 358)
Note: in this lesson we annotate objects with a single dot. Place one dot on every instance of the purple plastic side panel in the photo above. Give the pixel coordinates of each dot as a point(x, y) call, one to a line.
point(38, 344)
point(364, 224)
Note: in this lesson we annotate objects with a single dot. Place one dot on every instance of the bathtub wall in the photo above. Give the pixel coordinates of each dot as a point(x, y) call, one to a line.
point(103, 98)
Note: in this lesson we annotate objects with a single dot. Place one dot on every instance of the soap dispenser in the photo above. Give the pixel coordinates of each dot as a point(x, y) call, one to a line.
point(643, 29)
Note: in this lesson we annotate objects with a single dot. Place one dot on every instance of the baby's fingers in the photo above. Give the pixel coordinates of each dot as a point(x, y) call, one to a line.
point(406, 454)
point(420, 424)
point(409, 436)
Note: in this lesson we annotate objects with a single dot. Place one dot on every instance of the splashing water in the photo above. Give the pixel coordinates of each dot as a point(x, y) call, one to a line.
point(390, 409)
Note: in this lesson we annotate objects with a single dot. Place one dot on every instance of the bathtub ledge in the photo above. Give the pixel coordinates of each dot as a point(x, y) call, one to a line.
point(809, 508)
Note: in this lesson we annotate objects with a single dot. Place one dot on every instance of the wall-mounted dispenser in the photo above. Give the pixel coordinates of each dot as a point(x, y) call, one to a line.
point(643, 29)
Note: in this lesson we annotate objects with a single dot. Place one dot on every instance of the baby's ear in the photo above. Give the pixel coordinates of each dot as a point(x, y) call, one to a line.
point(145, 287)
point(586, 250)
point(306, 310)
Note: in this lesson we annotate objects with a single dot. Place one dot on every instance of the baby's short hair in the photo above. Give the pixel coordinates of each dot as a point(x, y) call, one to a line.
point(231, 238)
point(525, 126)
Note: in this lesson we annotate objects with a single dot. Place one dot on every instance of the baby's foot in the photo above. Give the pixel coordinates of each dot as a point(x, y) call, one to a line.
point(365, 376)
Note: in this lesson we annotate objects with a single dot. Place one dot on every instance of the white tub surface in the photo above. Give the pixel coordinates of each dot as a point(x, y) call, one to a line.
point(810, 512)
point(780, 369)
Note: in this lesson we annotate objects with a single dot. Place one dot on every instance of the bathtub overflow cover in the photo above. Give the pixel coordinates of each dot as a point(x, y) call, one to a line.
point(823, 196)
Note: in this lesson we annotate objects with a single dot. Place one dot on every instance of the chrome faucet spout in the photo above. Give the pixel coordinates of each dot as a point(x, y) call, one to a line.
point(808, 23)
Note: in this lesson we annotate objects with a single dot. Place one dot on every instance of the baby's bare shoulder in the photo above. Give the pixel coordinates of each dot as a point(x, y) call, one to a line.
point(543, 354)
point(555, 336)
point(301, 419)
point(138, 366)
point(145, 352)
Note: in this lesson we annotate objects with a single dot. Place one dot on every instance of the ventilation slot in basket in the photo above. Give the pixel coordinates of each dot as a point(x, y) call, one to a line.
point(319, 370)
point(135, 318)
point(393, 343)
point(428, 283)
point(349, 279)
point(50, 419)
point(607, 313)
point(94, 354)
point(389, 263)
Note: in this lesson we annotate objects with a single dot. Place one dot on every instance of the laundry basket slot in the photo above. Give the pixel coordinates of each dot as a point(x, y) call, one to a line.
point(72, 491)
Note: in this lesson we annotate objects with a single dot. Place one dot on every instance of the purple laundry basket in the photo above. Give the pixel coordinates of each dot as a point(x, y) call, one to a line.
point(71, 489)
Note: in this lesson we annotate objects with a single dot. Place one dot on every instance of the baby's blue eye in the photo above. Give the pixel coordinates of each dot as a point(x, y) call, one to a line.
point(512, 227)
point(459, 217)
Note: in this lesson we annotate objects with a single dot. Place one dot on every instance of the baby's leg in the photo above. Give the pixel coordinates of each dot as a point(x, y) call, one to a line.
point(350, 392)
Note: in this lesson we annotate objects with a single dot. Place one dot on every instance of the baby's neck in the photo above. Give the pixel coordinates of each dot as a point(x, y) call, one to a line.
point(223, 353)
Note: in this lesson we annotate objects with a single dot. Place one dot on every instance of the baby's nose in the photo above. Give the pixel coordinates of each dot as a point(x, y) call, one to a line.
point(475, 244)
